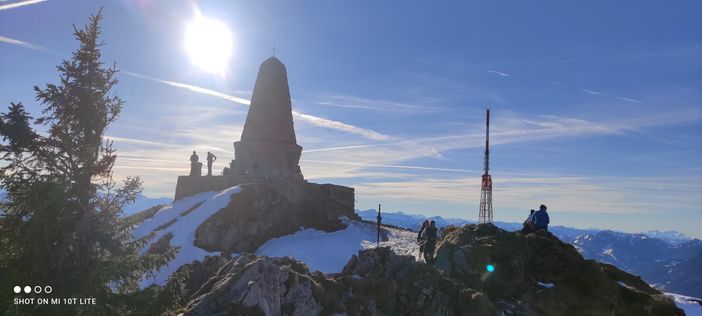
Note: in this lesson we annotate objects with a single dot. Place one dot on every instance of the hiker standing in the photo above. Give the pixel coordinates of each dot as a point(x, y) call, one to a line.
point(528, 225)
point(429, 242)
point(420, 241)
point(210, 159)
point(541, 219)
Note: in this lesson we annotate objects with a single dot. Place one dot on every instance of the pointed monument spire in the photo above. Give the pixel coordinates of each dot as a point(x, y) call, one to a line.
point(270, 113)
point(268, 150)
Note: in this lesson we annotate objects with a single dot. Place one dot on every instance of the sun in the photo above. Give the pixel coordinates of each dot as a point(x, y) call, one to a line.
point(209, 44)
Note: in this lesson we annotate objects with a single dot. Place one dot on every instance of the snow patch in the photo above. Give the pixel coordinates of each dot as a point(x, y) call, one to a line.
point(329, 252)
point(183, 228)
point(690, 305)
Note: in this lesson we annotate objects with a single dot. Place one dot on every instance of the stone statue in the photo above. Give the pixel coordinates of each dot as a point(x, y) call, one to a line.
point(210, 159)
point(195, 165)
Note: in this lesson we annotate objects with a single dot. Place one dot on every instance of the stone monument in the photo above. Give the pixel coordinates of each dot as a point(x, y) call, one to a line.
point(267, 152)
point(268, 149)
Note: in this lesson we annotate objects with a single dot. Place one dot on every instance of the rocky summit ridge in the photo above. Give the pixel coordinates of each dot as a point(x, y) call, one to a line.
point(534, 274)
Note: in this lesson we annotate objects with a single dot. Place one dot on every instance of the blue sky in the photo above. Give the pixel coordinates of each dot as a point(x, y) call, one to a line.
point(596, 105)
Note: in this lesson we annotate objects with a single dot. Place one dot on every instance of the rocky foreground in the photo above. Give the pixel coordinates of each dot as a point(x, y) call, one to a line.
point(535, 274)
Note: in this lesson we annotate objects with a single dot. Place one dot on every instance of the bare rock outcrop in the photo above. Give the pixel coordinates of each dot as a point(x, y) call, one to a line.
point(263, 211)
point(538, 274)
point(535, 274)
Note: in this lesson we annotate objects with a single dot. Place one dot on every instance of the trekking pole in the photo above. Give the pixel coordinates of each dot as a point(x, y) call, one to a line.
point(379, 219)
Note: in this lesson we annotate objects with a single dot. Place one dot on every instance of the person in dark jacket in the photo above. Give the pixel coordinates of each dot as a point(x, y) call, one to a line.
point(425, 224)
point(541, 219)
point(429, 242)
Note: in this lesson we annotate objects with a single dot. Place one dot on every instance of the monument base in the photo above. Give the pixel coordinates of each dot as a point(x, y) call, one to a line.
point(191, 185)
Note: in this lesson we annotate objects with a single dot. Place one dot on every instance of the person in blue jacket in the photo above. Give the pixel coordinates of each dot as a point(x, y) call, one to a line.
point(541, 219)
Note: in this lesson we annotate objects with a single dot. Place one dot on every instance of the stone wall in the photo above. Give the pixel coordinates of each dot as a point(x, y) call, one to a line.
point(262, 211)
point(191, 185)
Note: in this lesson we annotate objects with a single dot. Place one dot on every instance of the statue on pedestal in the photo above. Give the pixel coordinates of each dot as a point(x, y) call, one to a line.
point(195, 165)
point(210, 159)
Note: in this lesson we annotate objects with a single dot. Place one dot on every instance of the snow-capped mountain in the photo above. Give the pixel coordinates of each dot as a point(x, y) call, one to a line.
point(414, 221)
point(670, 236)
point(674, 267)
point(143, 202)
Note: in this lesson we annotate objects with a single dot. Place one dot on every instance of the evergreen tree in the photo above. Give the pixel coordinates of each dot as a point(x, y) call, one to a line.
point(61, 223)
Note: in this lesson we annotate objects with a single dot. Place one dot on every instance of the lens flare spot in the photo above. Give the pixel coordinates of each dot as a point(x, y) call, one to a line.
point(490, 268)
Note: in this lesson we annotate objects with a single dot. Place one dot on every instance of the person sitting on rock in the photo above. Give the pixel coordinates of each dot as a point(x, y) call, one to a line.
point(528, 225)
point(429, 242)
point(541, 219)
point(420, 240)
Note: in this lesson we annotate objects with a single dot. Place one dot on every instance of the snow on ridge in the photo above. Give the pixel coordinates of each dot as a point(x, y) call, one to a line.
point(690, 305)
point(329, 252)
point(183, 229)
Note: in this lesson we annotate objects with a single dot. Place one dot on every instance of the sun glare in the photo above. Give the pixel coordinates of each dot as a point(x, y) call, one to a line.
point(209, 44)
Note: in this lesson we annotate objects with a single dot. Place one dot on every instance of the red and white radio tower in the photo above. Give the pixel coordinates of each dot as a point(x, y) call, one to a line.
point(485, 215)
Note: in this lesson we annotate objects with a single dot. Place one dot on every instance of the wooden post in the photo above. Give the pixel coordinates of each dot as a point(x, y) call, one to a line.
point(379, 220)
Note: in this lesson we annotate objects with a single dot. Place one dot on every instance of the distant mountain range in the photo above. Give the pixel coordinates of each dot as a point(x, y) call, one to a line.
point(668, 260)
point(143, 202)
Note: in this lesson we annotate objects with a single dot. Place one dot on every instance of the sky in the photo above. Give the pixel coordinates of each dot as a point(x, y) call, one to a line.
point(596, 106)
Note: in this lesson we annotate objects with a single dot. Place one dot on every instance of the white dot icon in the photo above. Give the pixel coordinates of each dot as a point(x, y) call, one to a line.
point(27, 289)
point(18, 289)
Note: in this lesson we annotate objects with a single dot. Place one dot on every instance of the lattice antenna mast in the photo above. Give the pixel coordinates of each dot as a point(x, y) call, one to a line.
point(485, 215)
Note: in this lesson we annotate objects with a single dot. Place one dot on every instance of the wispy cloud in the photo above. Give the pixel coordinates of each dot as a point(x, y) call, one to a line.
point(503, 74)
point(409, 167)
point(19, 4)
point(311, 119)
point(629, 100)
point(16, 42)
point(192, 88)
point(623, 195)
point(351, 102)
point(557, 83)
point(138, 141)
point(340, 126)
point(592, 92)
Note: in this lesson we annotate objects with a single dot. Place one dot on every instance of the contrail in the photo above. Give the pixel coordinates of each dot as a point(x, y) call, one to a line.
point(629, 99)
point(314, 120)
point(192, 88)
point(364, 164)
point(367, 133)
point(31, 46)
point(499, 73)
point(592, 92)
point(19, 4)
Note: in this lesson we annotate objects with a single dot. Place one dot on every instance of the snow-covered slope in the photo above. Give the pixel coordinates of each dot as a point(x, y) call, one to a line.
point(690, 305)
point(181, 219)
point(329, 252)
